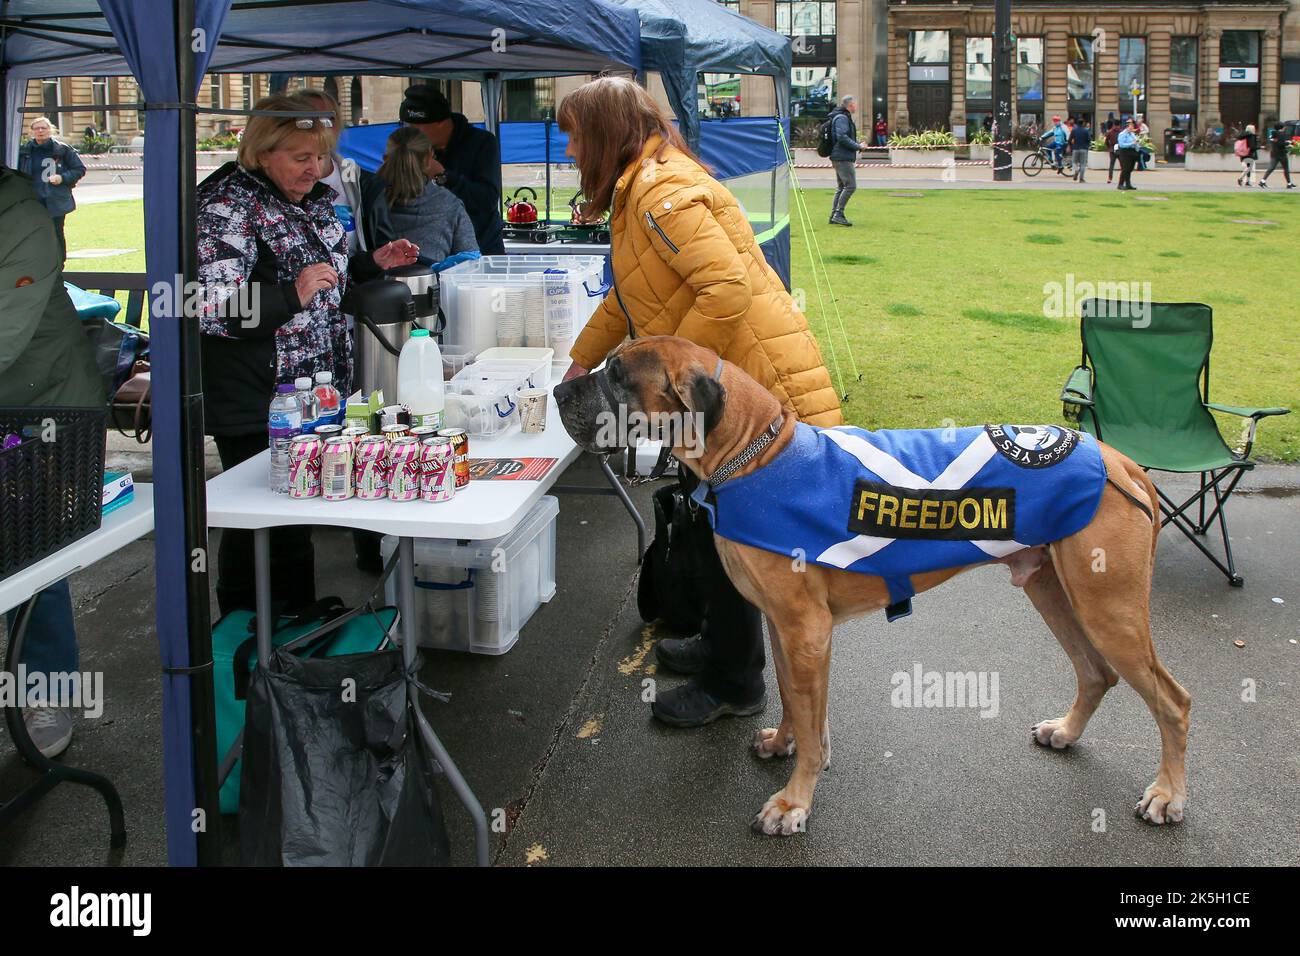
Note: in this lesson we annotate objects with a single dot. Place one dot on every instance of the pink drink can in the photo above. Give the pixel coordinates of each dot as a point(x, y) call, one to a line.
point(356, 433)
point(304, 466)
point(437, 469)
point(336, 469)
point(404, 470)
point(370, 468)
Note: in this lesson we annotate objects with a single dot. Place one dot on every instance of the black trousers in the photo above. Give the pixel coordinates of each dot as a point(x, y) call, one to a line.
point(1127, 160)
point(732, 628)
point(58, 231)
point(1110, 170)
point(293, 559)
point(1276, 161)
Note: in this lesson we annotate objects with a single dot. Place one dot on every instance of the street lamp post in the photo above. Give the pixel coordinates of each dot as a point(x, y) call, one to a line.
point(1003, 45)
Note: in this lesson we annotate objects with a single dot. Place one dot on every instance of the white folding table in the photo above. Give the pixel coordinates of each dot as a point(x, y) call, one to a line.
point(241, 498)
point(119, 528)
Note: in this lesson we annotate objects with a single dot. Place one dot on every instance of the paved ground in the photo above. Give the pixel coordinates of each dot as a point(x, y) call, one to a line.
point(555, 733)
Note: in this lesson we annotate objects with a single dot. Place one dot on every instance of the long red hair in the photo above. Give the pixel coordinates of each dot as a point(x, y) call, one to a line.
point(614, 117)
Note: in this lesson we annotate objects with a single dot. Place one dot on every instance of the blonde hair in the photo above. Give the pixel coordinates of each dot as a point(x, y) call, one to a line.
point(265, 133)
point(403, 170)
point(614, 118)
point(42, 119)
point(1250, 128)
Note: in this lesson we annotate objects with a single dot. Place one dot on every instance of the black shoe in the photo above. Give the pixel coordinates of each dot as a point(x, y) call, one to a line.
point(840, 221)
point(692, 706)
point(683, 655)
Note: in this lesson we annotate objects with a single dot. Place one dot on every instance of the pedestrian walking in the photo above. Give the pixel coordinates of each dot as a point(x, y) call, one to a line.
point(1080, 143)
point(1113, 129)
point(1247, 150)
point(1278, 144)
point(1128, 155)
point(844, 156)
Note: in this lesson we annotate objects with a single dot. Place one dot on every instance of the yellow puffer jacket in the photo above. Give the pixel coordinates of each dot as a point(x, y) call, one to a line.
point(685, 263)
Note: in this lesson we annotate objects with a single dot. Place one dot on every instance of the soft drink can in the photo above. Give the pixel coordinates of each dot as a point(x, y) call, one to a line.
point(421, 432)
point(326, 432)
point(336, 469)
point(404, 470)
point(393, 432)
point(304, 466)
point(356, 433)
point(437, 469)
point(460, 441)
point(370, 468)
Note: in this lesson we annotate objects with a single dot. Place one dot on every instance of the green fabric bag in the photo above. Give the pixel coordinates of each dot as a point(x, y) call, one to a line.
point(234, 656)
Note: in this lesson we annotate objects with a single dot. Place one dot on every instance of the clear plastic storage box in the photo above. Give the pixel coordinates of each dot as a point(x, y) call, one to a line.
point(521, 301)
point(477, 596)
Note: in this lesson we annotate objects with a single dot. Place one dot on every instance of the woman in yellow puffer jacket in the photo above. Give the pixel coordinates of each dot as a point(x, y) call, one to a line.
point(684, 257)
point(685, 263)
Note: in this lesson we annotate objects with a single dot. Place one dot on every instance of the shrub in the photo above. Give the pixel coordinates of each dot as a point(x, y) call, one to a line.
point(95, 143)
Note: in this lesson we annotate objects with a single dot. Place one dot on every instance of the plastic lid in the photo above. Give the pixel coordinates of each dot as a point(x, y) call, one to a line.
point(419, 333)
point(303, 382)
point(285, 388)
point(323, 378)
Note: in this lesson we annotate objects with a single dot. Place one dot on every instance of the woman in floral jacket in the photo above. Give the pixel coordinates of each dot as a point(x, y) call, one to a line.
point(273, 263)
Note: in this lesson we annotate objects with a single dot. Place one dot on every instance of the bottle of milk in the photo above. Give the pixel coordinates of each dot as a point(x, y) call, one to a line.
point(419, 379)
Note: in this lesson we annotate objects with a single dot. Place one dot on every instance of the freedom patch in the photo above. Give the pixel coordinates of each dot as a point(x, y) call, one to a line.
point(960, 514)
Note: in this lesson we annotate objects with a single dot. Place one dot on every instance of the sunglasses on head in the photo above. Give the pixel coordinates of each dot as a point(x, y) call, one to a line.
point(309, 122)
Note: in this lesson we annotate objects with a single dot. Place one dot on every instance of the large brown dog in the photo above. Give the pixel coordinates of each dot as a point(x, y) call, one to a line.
point(1101, 619)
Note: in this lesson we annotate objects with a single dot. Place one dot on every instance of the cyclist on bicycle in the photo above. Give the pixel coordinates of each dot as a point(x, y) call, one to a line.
point(1058, 136)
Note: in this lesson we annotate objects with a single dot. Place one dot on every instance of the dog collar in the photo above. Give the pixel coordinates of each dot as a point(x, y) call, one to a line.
point(765, 438)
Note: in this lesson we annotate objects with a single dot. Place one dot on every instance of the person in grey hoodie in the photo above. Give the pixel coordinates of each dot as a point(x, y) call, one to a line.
point(428, 214)
point(844, 154)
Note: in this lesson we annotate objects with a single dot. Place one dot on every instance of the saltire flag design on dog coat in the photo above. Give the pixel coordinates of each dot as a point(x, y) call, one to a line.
point(894, 503)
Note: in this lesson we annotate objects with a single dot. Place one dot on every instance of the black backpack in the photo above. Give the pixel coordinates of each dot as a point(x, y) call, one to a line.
point(826, 134)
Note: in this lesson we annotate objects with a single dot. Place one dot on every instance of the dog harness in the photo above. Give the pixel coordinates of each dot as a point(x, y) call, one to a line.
point(895, 503)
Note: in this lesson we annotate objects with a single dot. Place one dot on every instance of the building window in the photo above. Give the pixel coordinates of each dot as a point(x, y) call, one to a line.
point(358, 103)
point(1029, 72)
point(813, 90)
point(214, 90)
point(927, 47)
point(979, 68)
point(1239, 48)
point(806, 18)
point(1133, 70)
point(247, 80)
point(732, 5)
point(1183, 59)
point(528, 100)
point(99, 96)
point(1079, 79)
point(50, 99)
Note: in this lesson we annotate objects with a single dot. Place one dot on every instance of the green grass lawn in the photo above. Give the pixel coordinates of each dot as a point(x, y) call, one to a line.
point(942, 296)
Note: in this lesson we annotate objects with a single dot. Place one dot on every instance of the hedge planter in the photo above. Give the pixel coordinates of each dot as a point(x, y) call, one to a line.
point(920, 157)
point(1212, 162)
point(981, 154)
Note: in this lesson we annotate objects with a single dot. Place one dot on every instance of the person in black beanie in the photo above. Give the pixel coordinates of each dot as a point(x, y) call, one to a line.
point(467, 160)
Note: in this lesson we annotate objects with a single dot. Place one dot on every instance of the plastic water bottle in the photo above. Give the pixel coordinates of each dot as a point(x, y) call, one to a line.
point(419, 379)
point(307, 399)
point(283, 423)
point(329, 404)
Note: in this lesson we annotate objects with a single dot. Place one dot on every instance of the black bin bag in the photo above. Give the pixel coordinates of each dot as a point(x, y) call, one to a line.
point(334, 773)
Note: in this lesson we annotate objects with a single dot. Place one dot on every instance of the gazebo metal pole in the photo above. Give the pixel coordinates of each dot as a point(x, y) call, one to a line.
point(193, 476)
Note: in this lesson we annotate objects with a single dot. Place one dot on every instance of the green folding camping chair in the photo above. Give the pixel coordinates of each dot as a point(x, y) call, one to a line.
point(1144, 389)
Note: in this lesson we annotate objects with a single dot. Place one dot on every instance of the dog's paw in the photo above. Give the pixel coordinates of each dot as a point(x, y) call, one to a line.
point(1052, 733)
point(1159, 805)
point(779, 817)
point(771, 742)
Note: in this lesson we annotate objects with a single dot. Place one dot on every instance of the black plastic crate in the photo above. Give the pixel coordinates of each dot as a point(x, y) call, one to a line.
point(52, 485)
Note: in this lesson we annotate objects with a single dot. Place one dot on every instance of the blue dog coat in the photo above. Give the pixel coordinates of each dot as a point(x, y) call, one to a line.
point(896, 503)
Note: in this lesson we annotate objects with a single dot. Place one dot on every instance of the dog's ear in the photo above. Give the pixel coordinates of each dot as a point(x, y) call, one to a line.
point(703, 395)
